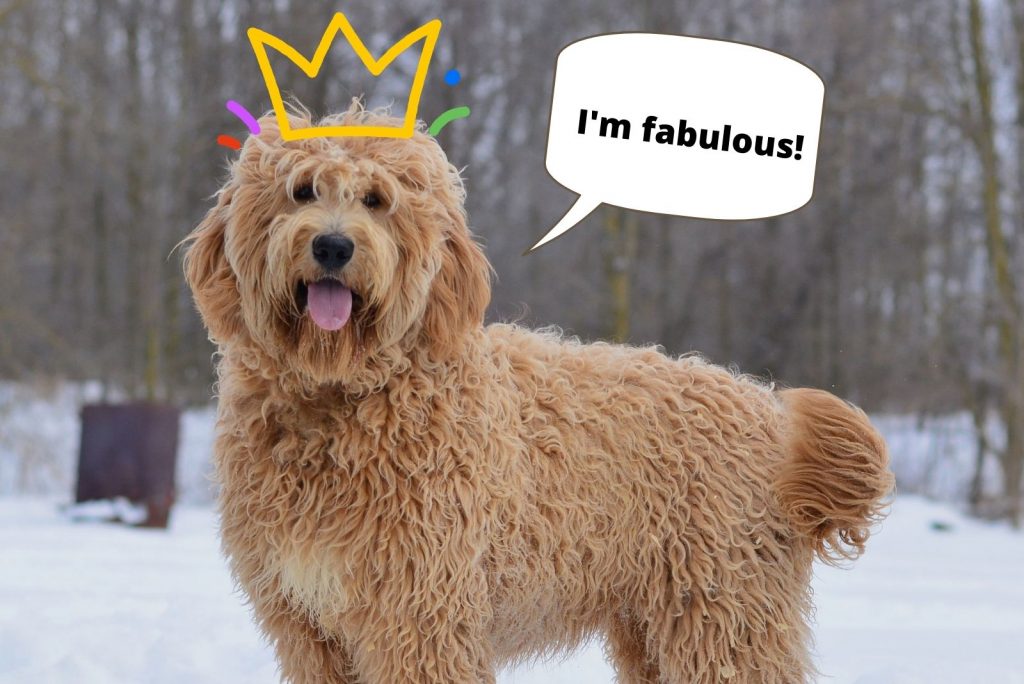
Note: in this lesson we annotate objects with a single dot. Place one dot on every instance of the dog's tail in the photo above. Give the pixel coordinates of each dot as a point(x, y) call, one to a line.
point(835, 475)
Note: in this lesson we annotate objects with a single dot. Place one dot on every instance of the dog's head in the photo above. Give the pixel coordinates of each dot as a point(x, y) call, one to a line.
point(326, 253)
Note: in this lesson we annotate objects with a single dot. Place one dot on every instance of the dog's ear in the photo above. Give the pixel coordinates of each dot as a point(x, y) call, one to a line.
point(459, 293)
point(208, 273)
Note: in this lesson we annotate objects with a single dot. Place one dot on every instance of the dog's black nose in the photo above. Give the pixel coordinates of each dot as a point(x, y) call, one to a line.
point(332, 251)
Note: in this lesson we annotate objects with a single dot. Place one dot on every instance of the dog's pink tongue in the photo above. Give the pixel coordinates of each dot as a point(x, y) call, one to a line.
point(330, 304)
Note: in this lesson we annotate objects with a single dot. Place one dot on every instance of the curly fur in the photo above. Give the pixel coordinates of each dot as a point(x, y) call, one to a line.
point(418, 497)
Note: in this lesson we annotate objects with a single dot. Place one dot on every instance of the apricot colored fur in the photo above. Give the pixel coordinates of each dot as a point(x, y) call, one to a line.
point(418, 497)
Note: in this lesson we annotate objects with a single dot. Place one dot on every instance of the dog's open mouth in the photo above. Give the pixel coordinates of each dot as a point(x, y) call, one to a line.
point(328, 301)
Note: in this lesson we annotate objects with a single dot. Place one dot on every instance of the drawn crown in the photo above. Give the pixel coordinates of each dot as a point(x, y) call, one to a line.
point(311, 67)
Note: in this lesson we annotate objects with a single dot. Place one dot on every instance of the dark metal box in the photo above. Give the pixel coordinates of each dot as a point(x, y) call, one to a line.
point(129, 450)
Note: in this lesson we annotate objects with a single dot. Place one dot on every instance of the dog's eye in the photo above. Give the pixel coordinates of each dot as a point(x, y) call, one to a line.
point(304, 193)
point(371, 200)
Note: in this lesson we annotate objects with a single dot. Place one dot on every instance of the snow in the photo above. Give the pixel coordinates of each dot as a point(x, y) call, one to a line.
point(926, 606)
point(937, 599)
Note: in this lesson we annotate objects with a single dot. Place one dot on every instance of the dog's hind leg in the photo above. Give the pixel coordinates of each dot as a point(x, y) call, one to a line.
point(715, 641)
point(707, 625)
point(627, 650)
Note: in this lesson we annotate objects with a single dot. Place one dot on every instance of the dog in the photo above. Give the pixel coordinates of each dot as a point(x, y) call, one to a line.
point(409, 495)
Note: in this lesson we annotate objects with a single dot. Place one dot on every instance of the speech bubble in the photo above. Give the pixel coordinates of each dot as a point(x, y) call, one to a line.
point(680, 125)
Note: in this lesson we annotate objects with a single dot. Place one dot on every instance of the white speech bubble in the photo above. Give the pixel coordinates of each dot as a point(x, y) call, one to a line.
point(744, 93)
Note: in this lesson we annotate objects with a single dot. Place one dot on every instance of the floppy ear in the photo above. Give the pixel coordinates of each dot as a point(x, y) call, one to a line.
point(459, 293)
point(208, 273)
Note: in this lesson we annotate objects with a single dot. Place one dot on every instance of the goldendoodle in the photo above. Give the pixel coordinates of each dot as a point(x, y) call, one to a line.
point(408, 495)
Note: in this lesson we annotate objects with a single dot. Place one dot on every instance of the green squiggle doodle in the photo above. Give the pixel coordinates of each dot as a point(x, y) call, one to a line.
point(446, 118)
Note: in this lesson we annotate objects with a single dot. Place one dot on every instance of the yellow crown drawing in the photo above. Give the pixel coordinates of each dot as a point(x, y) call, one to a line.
point(261, 40)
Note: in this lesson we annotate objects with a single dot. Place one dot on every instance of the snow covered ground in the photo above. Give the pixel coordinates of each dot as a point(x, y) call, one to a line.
point(89, 602)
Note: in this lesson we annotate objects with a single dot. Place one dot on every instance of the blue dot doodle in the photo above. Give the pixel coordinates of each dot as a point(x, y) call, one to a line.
point(452, 77)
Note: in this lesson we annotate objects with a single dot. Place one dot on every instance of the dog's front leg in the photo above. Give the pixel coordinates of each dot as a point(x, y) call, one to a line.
point(304, 653)
point(424, 627)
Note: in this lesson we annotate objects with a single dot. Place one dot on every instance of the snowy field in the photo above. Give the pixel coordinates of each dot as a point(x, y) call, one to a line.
point(91, 602)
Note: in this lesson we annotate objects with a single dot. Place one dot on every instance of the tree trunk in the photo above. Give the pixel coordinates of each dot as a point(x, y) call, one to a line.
point(621, 232)
point(1008, 311)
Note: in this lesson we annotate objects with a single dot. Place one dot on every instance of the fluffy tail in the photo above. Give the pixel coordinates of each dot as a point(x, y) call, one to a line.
point(835, 475)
